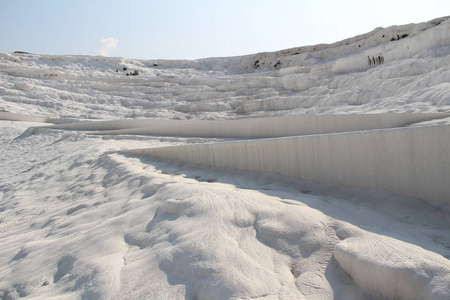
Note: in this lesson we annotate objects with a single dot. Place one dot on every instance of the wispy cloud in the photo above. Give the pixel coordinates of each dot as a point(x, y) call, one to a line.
point(107, 46)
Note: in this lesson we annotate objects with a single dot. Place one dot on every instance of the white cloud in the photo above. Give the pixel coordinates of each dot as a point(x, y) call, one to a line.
point(107, 46)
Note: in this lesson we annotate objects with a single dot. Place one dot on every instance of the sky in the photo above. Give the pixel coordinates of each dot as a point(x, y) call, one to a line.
point(193, 29)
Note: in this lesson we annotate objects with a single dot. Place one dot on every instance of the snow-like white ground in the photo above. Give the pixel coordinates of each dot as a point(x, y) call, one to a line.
point(81, 219)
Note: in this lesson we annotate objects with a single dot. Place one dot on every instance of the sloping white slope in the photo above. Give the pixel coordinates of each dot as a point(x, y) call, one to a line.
point(80, 219)
point(320, 79)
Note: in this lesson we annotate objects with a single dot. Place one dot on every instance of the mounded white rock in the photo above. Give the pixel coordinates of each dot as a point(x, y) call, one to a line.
point(394, 269)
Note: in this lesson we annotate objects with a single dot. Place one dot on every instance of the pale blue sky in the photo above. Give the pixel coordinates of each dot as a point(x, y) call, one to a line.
point(190, 29)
